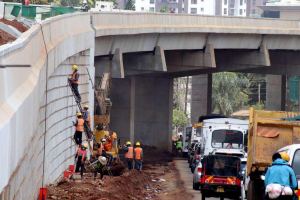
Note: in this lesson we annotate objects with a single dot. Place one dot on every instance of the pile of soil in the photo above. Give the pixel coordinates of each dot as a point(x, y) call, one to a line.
point(5, 37)
point(158, 180)
point(20, 27)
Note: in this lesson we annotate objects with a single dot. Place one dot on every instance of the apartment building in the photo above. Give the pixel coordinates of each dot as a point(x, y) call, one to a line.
point(252, 7)
point(145, 5)
point(231, 7)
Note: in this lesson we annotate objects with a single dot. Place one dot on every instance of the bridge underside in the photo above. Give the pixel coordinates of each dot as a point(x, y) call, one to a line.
point(142, 84)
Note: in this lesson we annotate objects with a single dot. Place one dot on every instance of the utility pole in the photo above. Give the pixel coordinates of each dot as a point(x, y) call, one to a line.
point(186, 95)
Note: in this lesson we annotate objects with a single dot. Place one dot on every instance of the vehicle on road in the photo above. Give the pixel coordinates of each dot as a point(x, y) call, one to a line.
point(245, 181)
point(225, 136)
point(221, 177)
point(193, 154)
point(196, 158)
point(190, 152)
point(269, 132)
point(197, 176)
point(186, 143)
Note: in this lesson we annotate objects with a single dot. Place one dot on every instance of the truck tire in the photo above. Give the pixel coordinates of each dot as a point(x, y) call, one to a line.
point(255, 190)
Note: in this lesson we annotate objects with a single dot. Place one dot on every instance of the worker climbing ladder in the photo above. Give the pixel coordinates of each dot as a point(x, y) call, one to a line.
point(87, 129)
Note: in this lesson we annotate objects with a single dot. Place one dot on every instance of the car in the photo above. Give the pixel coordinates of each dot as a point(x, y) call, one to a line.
point(190, 152)
point(196, 158)
point(193, 154)
point(197, 176)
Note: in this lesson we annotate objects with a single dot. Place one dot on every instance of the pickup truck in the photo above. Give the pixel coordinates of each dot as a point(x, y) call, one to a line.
point(268, 132)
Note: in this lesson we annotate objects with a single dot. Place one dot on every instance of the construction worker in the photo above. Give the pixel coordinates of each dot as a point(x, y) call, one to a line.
point(129, 155)
point(115, 139)
point(101, 151)
point(80, 158)
point(138, 156)
point(281, 173)
point(179, 148)
point(99, 167)
point(87, 115)
point(79, 129)
point(74, 82)
point(109, 142)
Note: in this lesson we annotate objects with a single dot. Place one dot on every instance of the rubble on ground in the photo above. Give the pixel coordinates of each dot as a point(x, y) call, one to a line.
point(19, 26)
point(126, 184)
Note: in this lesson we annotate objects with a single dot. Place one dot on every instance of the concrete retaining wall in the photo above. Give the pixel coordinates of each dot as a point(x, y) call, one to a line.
point(35, 151)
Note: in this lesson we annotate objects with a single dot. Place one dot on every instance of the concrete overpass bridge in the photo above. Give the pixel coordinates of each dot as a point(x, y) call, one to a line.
point(143, 52)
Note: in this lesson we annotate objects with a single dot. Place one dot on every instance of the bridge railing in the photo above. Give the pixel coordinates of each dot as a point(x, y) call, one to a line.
point(115, 23)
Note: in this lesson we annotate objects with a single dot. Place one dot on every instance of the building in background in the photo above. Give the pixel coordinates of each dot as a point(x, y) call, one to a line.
point(283, 9)
point(231, 7)
point(252, 7)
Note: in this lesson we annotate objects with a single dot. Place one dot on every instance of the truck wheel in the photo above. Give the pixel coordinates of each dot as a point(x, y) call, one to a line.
point(255, 190)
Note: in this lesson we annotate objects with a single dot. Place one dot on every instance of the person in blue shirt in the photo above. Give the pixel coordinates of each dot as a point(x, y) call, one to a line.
point(281, 173)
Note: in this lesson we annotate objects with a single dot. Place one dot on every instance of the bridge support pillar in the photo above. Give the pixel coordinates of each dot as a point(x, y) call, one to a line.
point(276, 92)
point(142, 110)
point(201, 96)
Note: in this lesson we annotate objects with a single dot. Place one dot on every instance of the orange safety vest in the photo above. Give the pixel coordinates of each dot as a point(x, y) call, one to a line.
point(88, 119)
point(79, 126)
point(129, 154)
point(82, 153)
point(137, 152)
point(73, 78)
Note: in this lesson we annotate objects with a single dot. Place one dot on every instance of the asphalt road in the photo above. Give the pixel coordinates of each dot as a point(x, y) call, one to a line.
point(187, 177)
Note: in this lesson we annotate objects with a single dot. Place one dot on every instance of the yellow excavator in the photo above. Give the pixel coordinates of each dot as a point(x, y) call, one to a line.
point(102, 114)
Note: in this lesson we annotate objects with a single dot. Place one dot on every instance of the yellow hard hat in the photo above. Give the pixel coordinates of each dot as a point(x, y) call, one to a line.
point(85, 145)
point(86, 106)
point(128, 143)
point(137, 144)
point(79, 114)
point(74, 67)
point(285, 156)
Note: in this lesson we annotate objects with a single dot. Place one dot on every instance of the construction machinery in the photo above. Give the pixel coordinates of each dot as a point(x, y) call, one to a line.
point(268, 132)
point(102, 112)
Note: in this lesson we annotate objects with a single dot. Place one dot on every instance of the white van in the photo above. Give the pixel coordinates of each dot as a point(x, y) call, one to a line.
point(225, 136)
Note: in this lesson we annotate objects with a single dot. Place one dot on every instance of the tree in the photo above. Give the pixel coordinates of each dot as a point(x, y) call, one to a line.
point(129, 5)
point(164, 9)
point(179, 119)
point(227, 92)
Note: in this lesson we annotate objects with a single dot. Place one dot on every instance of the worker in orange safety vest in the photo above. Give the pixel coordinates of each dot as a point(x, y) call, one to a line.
point(79, 129)
point(101, 151)
point(138, 156)
point(80, 158)
point(109, 142)
point(129, 155)
point(74, 80)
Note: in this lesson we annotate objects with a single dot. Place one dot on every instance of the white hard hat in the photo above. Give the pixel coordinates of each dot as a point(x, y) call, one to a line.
point(84, 1)
point(102, 160)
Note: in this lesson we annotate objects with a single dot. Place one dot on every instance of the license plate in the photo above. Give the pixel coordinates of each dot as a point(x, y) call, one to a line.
point(220, 189)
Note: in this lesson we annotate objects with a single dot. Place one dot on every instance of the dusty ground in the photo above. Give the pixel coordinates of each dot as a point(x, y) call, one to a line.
point(159, 180)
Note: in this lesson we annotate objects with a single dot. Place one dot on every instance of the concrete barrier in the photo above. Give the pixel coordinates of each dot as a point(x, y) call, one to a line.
point(35, 125)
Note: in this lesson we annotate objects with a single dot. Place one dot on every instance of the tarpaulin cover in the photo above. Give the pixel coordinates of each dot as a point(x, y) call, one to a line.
point(297, 118)
point(221, 165)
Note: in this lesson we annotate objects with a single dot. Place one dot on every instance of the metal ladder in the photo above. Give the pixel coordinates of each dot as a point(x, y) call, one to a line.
point(87, 129)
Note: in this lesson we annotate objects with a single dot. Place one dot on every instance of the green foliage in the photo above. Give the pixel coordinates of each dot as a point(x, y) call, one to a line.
point(179, 119)
point(70, 3)
point(39, 2)
point(227, 92)
point(129, 5)
point(164, 9)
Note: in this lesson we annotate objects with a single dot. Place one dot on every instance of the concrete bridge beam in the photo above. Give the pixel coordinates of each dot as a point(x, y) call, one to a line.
point(113, 65)
point(191, 60)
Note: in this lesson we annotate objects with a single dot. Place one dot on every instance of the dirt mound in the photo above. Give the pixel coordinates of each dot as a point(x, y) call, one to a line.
point(5, 37)
point(152, 155)
point(15, 24)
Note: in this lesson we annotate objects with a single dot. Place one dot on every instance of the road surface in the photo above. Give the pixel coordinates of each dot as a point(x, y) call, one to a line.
point(187, 177)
